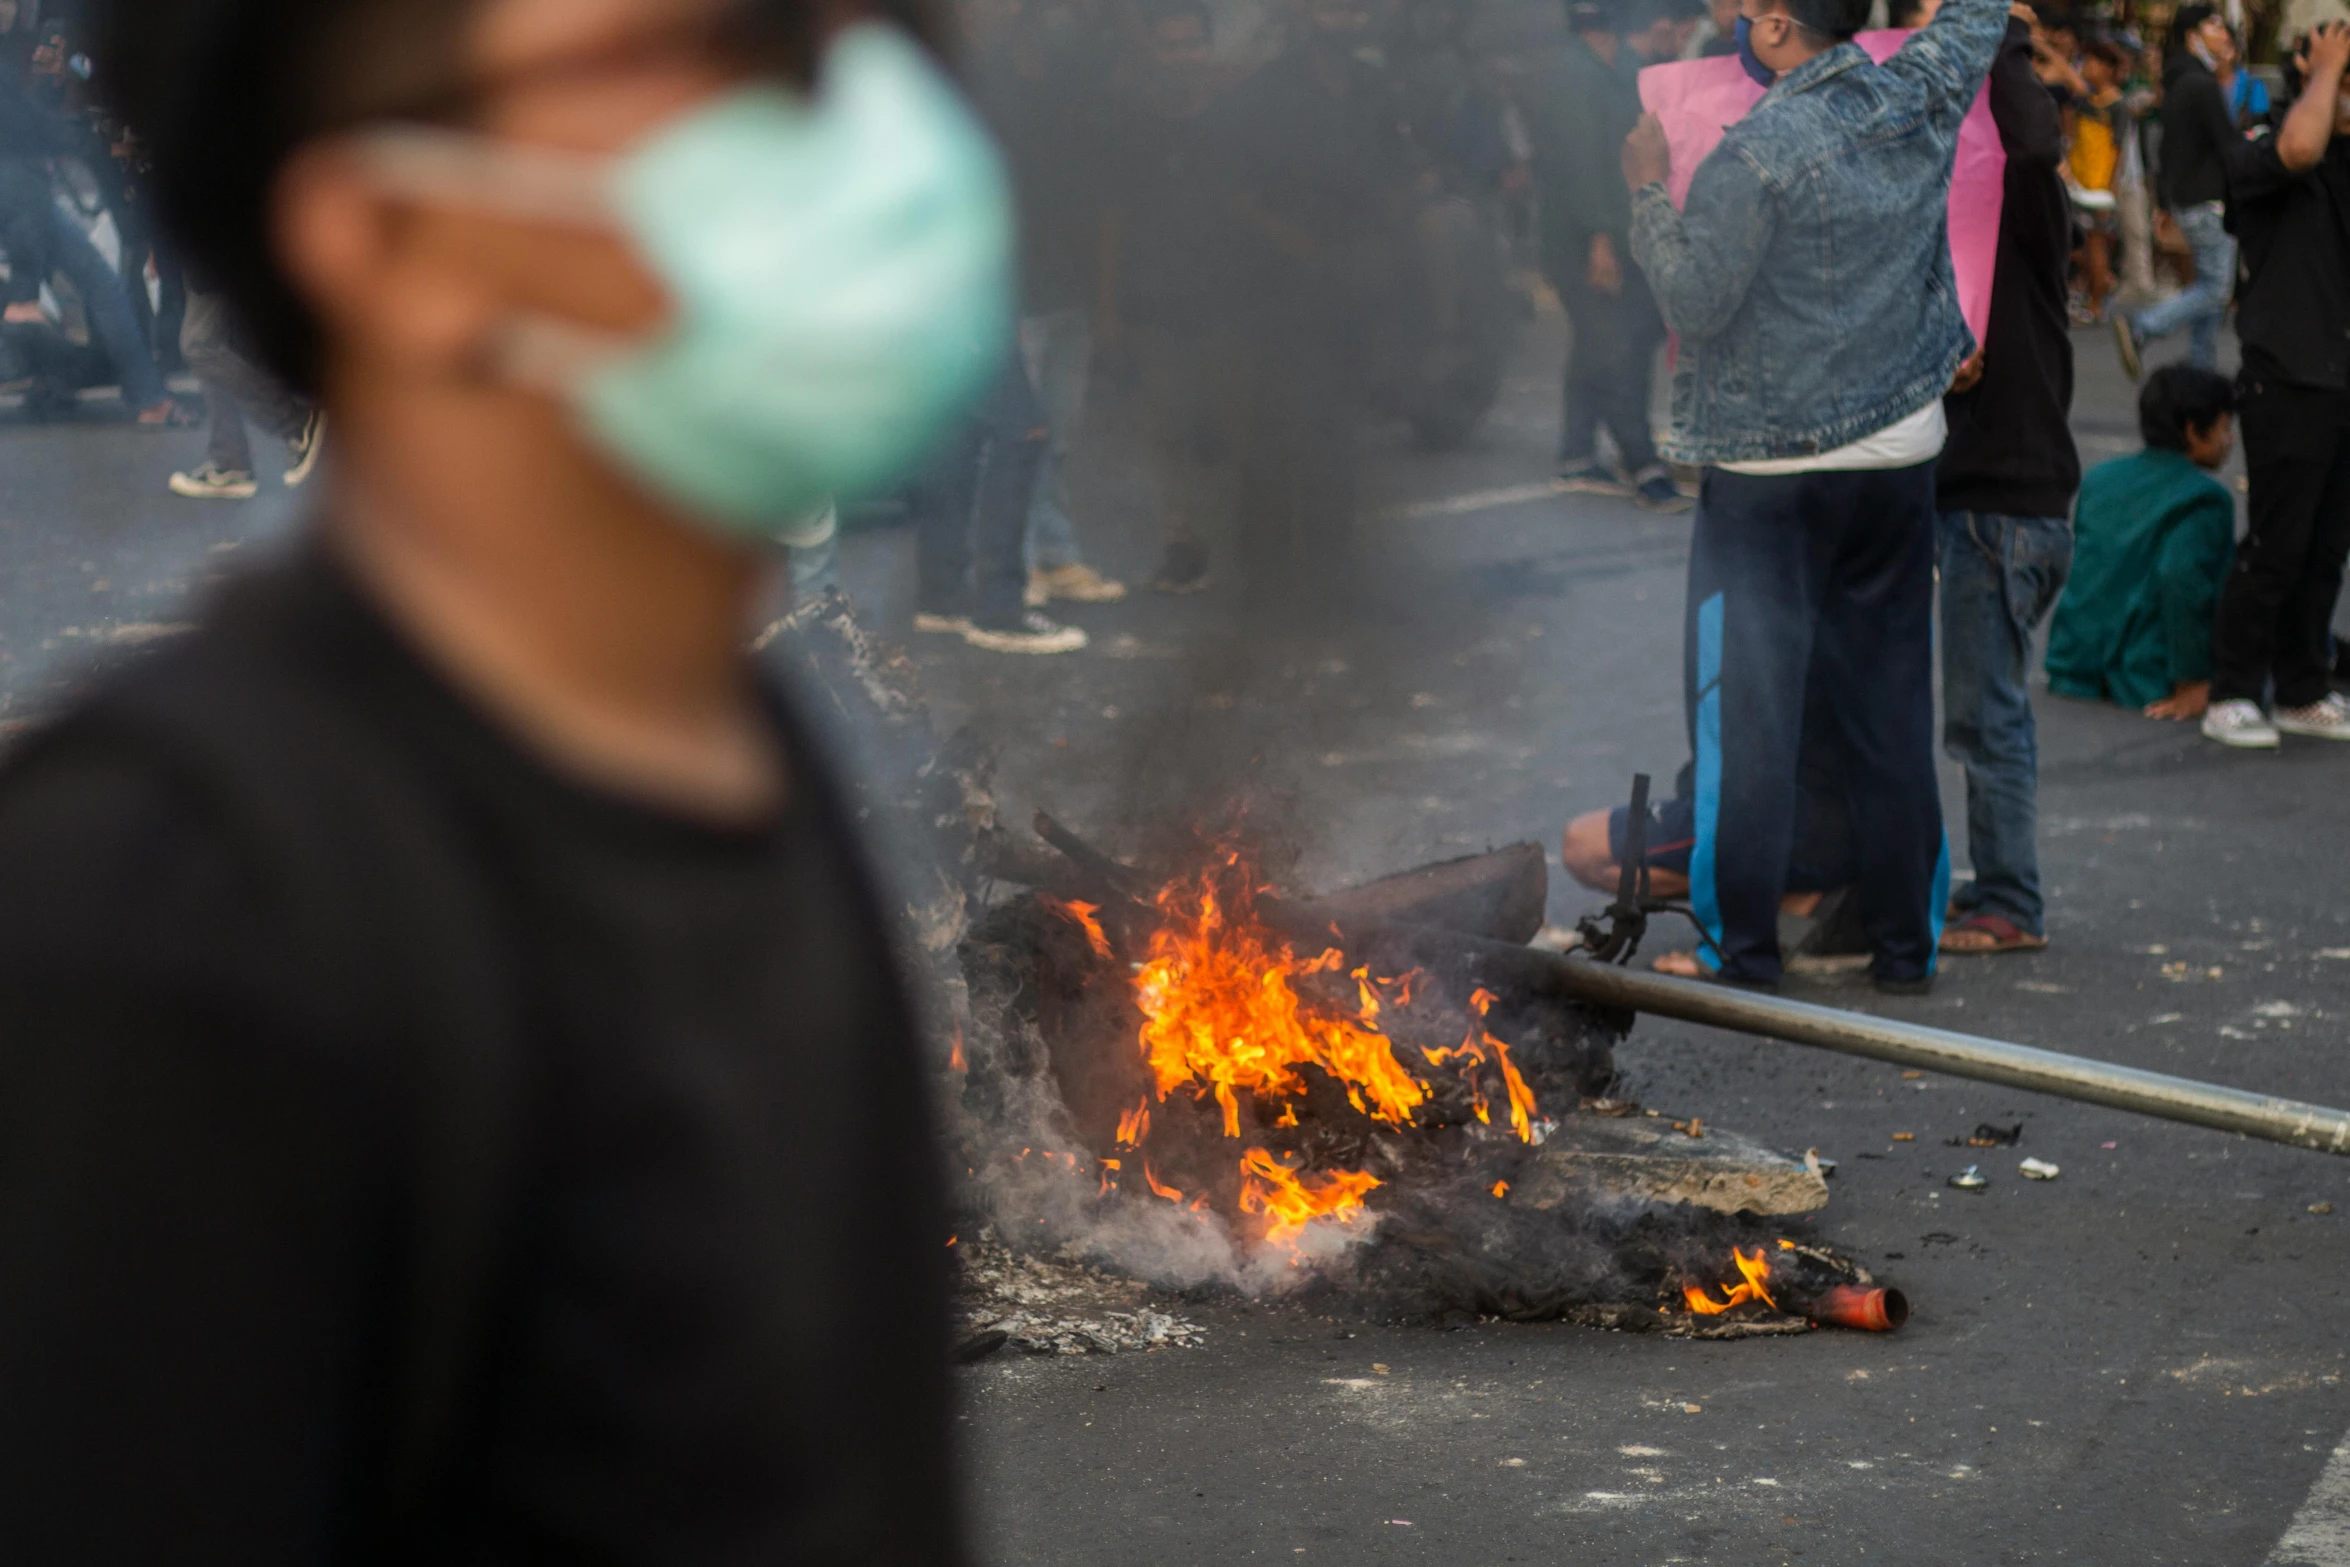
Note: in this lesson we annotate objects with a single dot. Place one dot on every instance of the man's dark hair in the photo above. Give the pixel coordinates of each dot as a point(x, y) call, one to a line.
point(224, 91)
point(2176, 398)
point(1594, 16)
point(1836, 20)
point(1644, 14)
point(2185, 20)
point(2104, 49)
point(1903, 13)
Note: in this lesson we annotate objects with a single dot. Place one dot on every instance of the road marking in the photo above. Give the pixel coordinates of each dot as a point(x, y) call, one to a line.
point(2319, 1535)
point(1474, 500)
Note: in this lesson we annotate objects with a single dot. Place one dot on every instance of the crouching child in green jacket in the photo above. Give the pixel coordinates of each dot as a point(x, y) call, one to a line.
point(2152, 537)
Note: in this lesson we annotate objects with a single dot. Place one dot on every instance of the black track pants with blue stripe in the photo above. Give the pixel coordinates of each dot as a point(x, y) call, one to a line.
point(1815, 586)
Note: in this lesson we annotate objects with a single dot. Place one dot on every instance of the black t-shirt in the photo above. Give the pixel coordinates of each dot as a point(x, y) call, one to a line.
point(2010, 447)
point(2293, 307)
point(711, 1309)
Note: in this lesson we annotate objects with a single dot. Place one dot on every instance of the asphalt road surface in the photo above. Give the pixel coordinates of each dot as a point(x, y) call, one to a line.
point(2141, 1361)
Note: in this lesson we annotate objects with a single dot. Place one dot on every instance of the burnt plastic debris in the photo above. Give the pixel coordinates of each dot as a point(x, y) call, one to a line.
point(1988, 1136)
point(1872, 1310)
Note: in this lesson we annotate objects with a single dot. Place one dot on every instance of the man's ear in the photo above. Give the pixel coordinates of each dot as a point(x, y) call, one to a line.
point(374, 268)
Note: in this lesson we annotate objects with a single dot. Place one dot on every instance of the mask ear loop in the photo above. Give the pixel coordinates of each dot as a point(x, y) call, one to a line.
point(511, 179)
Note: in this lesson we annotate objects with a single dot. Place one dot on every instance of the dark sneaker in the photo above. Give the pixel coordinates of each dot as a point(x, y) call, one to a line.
point(1655, 493)
point(1034, 633)
point(1184, 569)
point(1923, 985)
point(214, 483)
point(2125, 342)
point(304, 448)
point(1589, 478)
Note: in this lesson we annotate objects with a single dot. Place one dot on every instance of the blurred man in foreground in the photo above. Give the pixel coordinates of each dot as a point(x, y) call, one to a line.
point(1810, 383)
point(461, 1105)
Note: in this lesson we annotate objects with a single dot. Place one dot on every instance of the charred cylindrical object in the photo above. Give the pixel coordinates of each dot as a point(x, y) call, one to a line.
point(1859, 1306)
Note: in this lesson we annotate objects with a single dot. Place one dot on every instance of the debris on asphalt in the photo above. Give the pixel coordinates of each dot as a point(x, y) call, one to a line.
point(1819, 1166)
point(2321, 1207)
point(2038, 1170)
point(1988, 1136)
point(1905, 1137)
point(1047, 1306)
point(1969, 1179)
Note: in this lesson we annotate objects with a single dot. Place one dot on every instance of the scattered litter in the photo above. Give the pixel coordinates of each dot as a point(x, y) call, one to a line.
point(1693, 1409)
point(1823, 1168)
point(1969, 1179)
point(2321, 1207)
point(2333, 952)
point(2109, 1145)
point(1048, 1306)
point(1401, 1523)
point(1908, 1075)
point(1988, 1136)
point(1377, 1367)
point(1693, 1127)
point(1513, 1463)
point(2038, 1170)
point(1905, 1137)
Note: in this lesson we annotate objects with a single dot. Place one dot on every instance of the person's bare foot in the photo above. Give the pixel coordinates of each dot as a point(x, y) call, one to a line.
point(166, 412)
point(1684, 965)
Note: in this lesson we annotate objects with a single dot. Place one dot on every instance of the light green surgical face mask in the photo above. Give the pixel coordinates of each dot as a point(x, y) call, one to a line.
point(838, 267)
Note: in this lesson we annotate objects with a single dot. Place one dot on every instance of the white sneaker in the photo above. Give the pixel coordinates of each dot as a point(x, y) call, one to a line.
point(1034, 634)
point(305, 447)
point(2241, 724)
point(945, 625)
point(2328, 718)
point(214, 483)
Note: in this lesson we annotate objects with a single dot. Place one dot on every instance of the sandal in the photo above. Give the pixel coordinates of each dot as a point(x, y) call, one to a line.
point(1980, 934)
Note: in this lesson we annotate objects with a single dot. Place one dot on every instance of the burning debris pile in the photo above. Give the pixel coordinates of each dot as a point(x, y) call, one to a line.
point(1194, 1081)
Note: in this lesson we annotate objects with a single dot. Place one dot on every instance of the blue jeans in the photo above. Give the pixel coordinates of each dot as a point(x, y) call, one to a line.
point(1057, 348)
point(106, 303)
point(2201, 306)
point(2000, 577)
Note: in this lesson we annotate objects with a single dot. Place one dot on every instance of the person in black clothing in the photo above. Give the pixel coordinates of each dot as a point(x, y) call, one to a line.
point(1590, 99)
point(1311, 152)
point(461, 1103)
point(2003, 488)
point(2197, 133)
point(2289, 198)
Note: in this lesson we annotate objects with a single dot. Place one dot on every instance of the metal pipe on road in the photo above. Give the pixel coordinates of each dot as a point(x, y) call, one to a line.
point(1959, 1055)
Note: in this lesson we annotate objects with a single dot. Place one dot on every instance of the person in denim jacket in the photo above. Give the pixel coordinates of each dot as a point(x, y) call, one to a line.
point(1808, 276)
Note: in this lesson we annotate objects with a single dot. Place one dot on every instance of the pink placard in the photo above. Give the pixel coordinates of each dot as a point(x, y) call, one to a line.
point(1697, 100)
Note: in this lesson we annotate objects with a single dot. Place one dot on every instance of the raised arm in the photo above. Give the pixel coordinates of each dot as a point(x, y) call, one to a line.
point(1701, 260)
point(1949, 55)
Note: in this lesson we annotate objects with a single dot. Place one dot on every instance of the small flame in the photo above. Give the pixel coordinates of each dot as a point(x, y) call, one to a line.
point(955, 1062)
point(1158, 1187)
point(1756, 1271)
point(1134, 1125)
point(1501, 1188)
point(1083, 915)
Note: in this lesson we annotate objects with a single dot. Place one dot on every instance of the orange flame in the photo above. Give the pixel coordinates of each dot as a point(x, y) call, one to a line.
point(1220, 1015)
point(1083, 915)
point(955, 1062)
point(1756, 1270)
point(1501, 1188)
point(1158, 1187)
point(1289, 1202)
point(1134, 1125)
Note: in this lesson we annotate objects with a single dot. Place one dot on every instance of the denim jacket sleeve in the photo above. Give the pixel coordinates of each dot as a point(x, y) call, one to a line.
point(1701, 260)
point(1949, 56)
